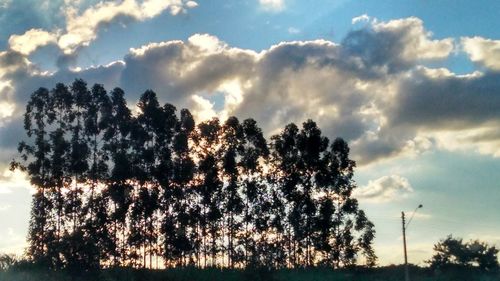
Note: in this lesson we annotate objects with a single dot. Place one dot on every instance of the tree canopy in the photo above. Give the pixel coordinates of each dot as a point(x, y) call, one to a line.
point(117, 188)
point(453, 252)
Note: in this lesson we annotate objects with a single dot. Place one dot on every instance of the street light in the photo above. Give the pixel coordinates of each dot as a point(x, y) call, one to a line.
point(405, 226)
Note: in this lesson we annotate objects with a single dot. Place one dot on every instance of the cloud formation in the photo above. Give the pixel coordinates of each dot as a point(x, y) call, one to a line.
point(81, 28)
point(485, 52)
point(394, 46)
point(386, 188)
point(373, 88)
point(31, 40)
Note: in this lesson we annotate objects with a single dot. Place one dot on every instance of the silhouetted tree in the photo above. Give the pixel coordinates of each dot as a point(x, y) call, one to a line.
point(186, 239)
point(207, 140)
point(119, 188)
point(232, 137)
point(144, 137)
point(75, 253)
point(453, 252)
point(308, 174)
point(36, 162)
point(96, 119)
point(350, 229)
point(285, 176)
point(60, 116)
point(256, 206)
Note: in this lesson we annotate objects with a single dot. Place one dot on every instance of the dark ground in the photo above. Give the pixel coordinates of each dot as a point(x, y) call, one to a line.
point(389, 273)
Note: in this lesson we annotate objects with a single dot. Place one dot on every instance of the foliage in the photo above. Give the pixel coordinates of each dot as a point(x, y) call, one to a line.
point(7, 261)
point(155, 189)
point(453, 252)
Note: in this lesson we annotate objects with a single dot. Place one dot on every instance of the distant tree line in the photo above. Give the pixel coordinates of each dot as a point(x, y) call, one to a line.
point(152, 188)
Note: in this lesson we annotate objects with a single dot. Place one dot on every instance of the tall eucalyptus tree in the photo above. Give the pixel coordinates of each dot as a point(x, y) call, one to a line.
point(311, 145)
point(96, 119)
point(119, 186)
point(60, 117)
point(145, 133)
point(252, 152)
point(35, 160)
point(209, 186)
point(343, 229)
point(79, 155)
point(185, 237)
point(285, 177)
point(231, 139)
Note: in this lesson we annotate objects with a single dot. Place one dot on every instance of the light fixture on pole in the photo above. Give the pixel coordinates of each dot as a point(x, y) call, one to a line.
point(405, 226)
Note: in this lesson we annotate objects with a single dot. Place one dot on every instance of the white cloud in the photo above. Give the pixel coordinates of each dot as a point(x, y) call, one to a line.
point(191, 4)
point(272, 5)
point(483, 51)
point(31, 40)
point(179, 70)
point(10, 181)
point(362, 18)
point(82, 27)
point(207, 43)
point(386, 188)
point(417, 42)
point(483, 139)
point(202, 108)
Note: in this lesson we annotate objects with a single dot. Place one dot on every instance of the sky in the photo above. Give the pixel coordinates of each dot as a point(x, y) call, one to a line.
point(413, 86)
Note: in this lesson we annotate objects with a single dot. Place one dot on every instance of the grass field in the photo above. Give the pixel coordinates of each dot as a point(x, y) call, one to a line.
point(391, 273)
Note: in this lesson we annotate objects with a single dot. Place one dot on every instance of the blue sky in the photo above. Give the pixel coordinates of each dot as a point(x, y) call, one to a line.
point(414, 86)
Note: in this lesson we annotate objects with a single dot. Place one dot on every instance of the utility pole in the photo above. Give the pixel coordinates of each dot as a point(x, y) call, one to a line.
point(407, 274)
point(405, 227)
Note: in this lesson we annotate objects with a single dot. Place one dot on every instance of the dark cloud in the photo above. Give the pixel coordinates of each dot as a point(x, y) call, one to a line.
point(65, 61)
point(374, 147)
point(26, 82)
point(11, 132)
point(10, 59)
point(450, 102)
point(391, 47)
point(376, 50)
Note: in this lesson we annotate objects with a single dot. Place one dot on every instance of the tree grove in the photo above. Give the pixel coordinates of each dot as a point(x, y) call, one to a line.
point(152, 189)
